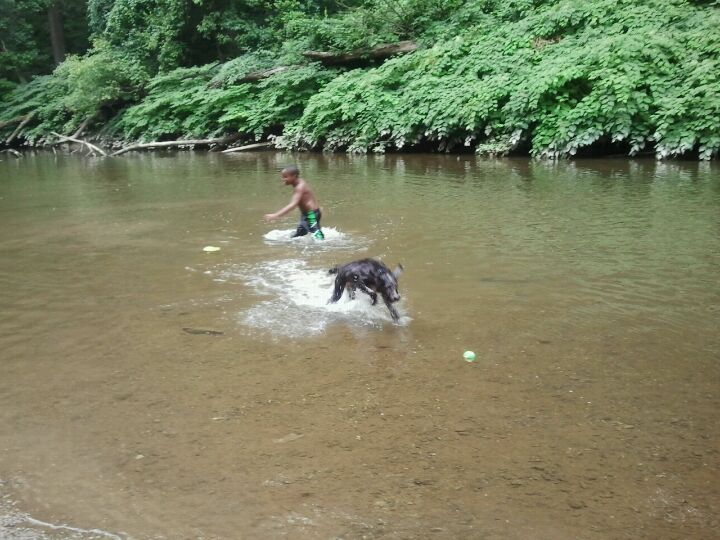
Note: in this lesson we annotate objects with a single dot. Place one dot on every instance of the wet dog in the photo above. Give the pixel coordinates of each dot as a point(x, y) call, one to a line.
point(371, 277)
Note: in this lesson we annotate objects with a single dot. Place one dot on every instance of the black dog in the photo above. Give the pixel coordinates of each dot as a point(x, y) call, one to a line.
point(371, 277)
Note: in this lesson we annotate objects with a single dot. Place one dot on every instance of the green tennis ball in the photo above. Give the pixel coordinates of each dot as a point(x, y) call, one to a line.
point(469, 356)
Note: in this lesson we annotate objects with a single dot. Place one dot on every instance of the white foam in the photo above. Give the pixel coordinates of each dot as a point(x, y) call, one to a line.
point(297, 300)
point(333, 239)
point(21, 525)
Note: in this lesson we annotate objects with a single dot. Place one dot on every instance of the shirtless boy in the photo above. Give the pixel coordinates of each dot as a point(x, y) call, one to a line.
point(304, 199)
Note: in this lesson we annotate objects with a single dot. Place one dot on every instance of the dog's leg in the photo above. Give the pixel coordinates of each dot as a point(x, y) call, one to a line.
point(393, 312)
point(371, 294)
point(339, 289)
point(351, 291)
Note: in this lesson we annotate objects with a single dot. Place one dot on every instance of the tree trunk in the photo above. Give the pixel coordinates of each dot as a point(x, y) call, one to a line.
point(19, 75)
point(57, 35)
point(227, 139)
point(255, 76)
point(380, 52)
point(247, 147)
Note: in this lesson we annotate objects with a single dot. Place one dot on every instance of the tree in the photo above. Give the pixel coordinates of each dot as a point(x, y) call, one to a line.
point(35, 35)
point(20, 52)
point(57, 33)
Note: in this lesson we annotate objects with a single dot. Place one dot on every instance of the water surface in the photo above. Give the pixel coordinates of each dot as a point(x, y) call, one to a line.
point(589, 291)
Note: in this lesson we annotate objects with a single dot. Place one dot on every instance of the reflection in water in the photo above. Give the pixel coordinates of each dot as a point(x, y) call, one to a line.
point(588, 289)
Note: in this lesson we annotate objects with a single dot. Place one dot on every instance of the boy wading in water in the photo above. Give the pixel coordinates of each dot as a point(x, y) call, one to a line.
point(304, 199)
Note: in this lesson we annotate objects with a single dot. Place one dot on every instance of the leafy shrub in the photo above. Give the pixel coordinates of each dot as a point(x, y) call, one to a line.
point(230, 72)
point(43, 97)
point(369, 24)
point(79, 88)
point(183, 103)
point(551, 76)
point(562, 77)
point(105, 77)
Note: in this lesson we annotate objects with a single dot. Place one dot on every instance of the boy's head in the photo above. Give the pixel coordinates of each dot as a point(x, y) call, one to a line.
point(290, 174)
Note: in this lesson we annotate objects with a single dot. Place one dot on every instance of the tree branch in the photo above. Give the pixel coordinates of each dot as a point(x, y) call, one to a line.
point(92, 147)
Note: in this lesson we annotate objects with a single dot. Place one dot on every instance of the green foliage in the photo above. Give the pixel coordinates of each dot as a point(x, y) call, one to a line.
point(230, 72)
point(149, 29)
point(560, 77)
point(367, 24)
point(553, 77)
point(97, 15)
point(167, 34)
point(105, 78)
point(43, 97)
point(79, 87)
point(25, 39)
point(21, 52)
point(183, 103)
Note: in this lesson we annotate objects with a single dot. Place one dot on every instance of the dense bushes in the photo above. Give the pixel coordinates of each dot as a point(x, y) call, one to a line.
point(188, 102)
point(105, 78)
point(561, 78)
point(548, 77)
point(81, 87)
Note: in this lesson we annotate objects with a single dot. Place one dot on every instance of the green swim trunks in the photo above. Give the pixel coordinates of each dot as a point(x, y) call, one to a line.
point(310, 224)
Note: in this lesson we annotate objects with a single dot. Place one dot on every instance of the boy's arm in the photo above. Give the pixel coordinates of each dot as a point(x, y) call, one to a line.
point(291, 205)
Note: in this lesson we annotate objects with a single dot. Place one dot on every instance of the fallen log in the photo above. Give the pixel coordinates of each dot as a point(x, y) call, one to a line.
point(92, 147)
point(14, 120)
point(247, 147)
point(261, 74)
point(81, 128)
point(380, 52)
point(18, 129)
point(225, 140)
point(13, 152)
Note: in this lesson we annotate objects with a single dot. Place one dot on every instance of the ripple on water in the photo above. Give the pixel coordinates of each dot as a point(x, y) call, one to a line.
point(21, 526)
point(297, 300)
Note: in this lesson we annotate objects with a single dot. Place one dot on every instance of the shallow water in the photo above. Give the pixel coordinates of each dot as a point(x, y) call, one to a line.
point(589, 291)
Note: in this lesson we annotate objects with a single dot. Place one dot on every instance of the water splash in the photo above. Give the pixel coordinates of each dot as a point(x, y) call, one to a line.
point(334, 239)
point(297, 304)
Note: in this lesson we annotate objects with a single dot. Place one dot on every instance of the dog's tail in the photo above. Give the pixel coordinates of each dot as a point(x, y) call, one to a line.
point(333, 270)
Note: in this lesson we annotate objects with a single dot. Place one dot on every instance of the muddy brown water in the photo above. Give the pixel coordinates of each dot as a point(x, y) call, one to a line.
point(589, 291)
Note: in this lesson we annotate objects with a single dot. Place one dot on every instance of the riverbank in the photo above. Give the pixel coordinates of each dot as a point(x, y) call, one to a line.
point(548, 79)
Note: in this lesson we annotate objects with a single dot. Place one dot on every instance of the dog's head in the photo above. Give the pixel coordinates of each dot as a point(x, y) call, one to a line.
point(389, 282)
